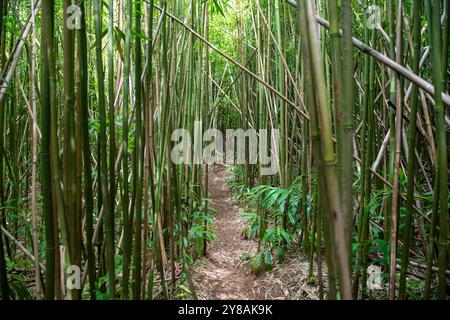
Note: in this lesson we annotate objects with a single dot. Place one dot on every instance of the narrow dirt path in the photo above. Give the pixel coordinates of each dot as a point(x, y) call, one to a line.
point(223, 275)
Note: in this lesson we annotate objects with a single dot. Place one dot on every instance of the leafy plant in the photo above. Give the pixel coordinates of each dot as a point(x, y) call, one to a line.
point(201, 229)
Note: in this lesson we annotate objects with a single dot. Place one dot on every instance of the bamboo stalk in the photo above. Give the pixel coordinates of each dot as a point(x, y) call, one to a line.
point(442, 163)
point(109, 226)
point(34, 211)
point(411, 148)
point(328, 159)
point(45, 147)
point(398, 130)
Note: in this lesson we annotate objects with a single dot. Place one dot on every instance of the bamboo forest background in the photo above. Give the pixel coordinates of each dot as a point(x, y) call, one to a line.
point(86, 116)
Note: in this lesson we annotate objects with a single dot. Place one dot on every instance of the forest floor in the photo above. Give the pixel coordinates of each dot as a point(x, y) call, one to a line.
point(224, 274)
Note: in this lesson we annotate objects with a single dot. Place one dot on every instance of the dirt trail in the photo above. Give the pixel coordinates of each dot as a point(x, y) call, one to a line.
point(223, 275)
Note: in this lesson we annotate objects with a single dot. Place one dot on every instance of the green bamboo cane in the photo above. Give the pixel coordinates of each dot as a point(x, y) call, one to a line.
point(337, 67)
point(442, 163)
point(149, 140)
point(329, 158)
point(44, 155)
point(4, 288)
point(348, 106)
point(87, 163)
point(445, 44)
point(431, 239)
point(60, 219)
point(416, 14)
point(390, 169)
point(112, 117)
point(69, 158)
point(139, 158)
point(109, 228)
point(127, 221)
point(320, 203)
point(398, 143)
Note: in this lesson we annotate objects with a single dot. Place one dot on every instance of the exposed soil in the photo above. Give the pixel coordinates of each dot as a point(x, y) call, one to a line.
point(223, 275)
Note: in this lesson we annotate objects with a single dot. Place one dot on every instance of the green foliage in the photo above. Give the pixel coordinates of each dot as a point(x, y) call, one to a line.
point(268, 260)
point(257, 264)
point(19, 290)
point(236, 183)
point(100, 292)
point(254, 220)
point(219, 6)
point(278, 202)
point(202, 227)
point(379, 245)
point(18, 274)
point(182, 291)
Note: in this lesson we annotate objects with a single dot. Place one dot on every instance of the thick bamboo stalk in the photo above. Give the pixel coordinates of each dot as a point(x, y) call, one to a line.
point(411, 150)
point(138, 159)
point(69, 150)
point(329, 159)
point(45, 179)
point(442, 156)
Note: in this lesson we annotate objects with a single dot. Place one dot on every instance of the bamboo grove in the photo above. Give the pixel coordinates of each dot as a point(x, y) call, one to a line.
point(91, 91)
